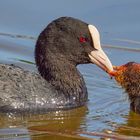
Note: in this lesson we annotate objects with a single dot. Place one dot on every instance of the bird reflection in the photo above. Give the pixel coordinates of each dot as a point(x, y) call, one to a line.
point(43, 126)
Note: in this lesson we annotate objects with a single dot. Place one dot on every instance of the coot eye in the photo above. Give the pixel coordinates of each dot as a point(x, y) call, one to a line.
point(83, 39)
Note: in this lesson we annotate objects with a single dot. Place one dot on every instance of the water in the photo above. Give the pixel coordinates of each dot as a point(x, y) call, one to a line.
point(108, 106)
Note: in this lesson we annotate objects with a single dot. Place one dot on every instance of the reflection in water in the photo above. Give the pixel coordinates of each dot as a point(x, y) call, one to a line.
point(60, 125)
point(36, 125)
point(14, 134)
point(131, 127)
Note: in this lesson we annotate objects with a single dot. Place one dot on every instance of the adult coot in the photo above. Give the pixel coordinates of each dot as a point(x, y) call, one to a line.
point(61, 46)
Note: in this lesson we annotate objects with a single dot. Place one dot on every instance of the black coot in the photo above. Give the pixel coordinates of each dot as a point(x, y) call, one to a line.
point(61, 46)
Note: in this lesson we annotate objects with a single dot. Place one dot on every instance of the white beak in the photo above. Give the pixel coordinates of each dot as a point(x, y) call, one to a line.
point(98, 56)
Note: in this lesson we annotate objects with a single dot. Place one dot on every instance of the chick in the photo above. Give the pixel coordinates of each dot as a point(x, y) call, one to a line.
point(128, 76)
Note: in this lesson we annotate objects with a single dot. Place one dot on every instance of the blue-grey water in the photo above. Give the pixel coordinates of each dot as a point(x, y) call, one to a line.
point(108, 108)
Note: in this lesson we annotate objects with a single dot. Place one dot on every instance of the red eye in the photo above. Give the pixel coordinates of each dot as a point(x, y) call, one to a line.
point(82, 39)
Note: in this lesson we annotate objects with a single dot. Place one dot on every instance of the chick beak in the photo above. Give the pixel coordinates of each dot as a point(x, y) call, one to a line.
point(117, 70)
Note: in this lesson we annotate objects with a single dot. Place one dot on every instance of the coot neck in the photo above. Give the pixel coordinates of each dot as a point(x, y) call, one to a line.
point(65, 79)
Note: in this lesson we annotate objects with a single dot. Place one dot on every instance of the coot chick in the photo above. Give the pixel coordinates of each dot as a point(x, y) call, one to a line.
point(61, 46)
point(128, 76)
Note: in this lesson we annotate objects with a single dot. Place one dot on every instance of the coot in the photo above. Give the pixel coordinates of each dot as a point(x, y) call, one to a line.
point(61, 46)
point(128, 76)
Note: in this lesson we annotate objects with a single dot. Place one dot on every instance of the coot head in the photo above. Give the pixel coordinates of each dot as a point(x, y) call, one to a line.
point(72, 41)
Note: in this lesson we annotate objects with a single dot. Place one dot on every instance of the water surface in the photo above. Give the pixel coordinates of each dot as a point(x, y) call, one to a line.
point(108, 106)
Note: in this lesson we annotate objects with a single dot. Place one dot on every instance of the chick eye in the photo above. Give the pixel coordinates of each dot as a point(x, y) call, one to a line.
point(83, 39)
